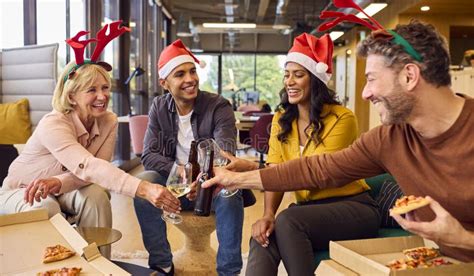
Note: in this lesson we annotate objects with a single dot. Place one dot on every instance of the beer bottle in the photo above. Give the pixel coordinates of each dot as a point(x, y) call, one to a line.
point(203, 203)
point(193, 160)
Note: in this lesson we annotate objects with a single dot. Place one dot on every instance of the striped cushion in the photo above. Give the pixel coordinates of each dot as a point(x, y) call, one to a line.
point(389, 193)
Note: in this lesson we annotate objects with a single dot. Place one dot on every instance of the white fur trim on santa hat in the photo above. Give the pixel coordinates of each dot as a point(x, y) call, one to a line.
point(164, 71)
point(314, 67)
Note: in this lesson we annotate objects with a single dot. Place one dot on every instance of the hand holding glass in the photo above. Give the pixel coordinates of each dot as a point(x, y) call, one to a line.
point(178, 184)
point(219, 161)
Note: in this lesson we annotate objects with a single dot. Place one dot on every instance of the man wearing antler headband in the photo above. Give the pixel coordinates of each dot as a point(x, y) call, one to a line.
point(423, 142)
point(65, 165)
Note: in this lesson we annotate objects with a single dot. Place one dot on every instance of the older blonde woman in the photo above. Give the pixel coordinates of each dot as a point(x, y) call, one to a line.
point(70, 150)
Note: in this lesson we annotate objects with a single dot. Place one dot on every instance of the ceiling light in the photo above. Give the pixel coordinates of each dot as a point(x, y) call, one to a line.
point(335, 35)
point(425, 8)
point(230, 25)
point(372, 9)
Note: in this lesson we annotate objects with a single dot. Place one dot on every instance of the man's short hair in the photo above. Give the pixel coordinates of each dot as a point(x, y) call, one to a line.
point(424, 39)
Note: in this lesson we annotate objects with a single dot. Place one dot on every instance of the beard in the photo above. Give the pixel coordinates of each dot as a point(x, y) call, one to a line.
point(398, 104)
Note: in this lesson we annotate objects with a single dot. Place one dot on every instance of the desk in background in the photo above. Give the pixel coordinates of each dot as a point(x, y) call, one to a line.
point(245, 123)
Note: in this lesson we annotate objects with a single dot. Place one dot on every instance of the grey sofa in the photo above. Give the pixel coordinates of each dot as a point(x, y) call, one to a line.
point(29, 72)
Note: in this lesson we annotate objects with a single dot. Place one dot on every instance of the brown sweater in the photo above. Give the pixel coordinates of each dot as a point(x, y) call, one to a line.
point(441, 167)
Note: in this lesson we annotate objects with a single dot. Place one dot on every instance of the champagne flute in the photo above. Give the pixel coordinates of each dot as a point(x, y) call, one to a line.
point(219, 161)
point(178, 184)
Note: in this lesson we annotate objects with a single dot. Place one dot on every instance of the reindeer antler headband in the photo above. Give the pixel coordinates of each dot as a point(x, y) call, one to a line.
point(102, 39)
point(371, 24)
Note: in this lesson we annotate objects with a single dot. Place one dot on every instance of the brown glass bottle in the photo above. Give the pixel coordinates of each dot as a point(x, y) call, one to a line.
point(203, 203)
point(193, 160)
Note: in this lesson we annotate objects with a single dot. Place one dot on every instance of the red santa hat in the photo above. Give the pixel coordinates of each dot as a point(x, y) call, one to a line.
point(174, 55)
point(314, 54)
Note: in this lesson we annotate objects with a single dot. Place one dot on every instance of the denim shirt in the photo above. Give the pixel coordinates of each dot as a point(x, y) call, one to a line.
point(212, 117)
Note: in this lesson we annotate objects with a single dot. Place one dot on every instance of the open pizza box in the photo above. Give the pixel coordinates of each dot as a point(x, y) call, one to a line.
point(332, 268)
point(369, 257)
point(24, 237)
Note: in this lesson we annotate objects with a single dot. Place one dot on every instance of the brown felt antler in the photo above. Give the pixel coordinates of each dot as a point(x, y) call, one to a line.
point(340, 17)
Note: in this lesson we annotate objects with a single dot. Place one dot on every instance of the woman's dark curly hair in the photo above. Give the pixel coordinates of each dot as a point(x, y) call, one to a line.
point(320, 95)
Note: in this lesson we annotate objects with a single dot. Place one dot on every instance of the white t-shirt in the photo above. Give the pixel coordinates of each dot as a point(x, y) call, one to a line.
point(185, 137)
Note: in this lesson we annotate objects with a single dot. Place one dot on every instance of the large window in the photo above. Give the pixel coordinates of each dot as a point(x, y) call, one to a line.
point(208, 75)
point(269, 78)
point(110, 14)
point(52, 29)
point(248, 77)
point(77, 22)
point(11, 21)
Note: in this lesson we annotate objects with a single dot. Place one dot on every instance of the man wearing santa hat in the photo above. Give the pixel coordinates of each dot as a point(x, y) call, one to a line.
point(177, 118)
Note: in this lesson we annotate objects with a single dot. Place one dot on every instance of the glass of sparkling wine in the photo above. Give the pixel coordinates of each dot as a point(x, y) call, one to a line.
point(178, 184)
point(219, 161)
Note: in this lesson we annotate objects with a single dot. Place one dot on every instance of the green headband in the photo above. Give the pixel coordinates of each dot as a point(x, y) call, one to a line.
point(74, 68)
point(398, 39)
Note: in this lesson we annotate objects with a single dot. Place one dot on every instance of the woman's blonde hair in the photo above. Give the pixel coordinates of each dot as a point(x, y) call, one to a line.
point(81, 80)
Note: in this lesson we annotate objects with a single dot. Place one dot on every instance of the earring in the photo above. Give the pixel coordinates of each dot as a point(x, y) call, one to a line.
point(73, 103)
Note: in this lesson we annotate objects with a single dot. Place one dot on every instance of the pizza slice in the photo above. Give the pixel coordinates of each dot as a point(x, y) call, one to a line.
point(57, 253)
point(409, 203)
point(440, 261)
point(65, 271)
point(403, 264)
point(422, 252)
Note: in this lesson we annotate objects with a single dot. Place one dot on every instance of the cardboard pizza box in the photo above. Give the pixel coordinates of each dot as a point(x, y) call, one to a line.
point(369, 257)
point(24, 237)
point(332, 268)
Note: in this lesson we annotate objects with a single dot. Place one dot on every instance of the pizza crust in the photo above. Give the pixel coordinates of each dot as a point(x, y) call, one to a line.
point(65, 271)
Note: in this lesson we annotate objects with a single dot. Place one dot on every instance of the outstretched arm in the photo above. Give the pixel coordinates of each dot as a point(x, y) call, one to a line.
point(444, 229)
point(234, 180)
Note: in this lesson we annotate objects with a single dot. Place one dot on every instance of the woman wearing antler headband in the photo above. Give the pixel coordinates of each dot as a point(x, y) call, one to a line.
point(65, 164)
point(310, 121)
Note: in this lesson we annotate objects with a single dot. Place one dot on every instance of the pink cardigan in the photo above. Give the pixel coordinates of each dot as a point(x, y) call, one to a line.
point(61, 147)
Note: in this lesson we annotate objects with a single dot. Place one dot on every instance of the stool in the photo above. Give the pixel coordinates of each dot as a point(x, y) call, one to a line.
point(196, 257)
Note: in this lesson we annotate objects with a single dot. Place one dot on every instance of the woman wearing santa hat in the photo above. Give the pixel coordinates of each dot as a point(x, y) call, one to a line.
point(309, 121)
